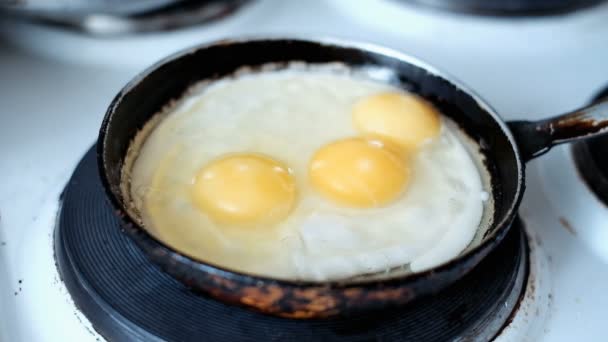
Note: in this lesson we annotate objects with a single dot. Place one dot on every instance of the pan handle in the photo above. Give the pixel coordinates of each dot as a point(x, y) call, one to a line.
point(534, 138)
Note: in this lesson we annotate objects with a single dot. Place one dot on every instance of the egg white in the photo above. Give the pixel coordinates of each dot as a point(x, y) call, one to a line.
point(288, 115)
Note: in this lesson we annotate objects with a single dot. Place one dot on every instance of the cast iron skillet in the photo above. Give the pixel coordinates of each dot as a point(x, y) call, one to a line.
point(506, 147)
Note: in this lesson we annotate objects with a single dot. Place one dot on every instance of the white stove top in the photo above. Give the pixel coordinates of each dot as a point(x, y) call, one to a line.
point(55, 86)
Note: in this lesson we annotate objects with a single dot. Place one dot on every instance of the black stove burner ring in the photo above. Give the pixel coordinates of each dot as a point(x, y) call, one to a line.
point(126, 298)
point(591, 162)
point(507, 8)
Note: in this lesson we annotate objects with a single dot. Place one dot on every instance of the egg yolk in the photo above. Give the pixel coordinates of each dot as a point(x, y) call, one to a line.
point(245, 189)
point(359, 172)
point(406, 119)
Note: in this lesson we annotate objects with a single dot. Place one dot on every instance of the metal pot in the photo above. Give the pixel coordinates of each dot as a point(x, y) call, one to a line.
point(83, 7)
point(116, 17)
point(505, 147)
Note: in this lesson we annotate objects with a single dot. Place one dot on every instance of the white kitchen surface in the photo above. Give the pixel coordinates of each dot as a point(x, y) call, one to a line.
point(55, 86)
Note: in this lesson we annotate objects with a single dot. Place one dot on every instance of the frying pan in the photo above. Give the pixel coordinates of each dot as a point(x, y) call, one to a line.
point(505, 148)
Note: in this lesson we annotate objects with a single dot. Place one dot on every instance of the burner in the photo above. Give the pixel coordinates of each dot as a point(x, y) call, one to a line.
point(127, 298)
point(508, 7)
point(591, 161)
point(180, 14)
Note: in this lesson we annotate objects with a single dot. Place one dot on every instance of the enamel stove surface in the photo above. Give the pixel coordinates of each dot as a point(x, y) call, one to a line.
point(56, 86)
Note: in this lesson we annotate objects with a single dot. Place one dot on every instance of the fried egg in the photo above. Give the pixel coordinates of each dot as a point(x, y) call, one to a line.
point(307, 174)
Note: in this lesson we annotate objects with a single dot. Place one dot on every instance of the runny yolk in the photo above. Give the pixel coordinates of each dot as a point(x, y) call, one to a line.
point(358, 172)
point(245, 189)
point(405, 119)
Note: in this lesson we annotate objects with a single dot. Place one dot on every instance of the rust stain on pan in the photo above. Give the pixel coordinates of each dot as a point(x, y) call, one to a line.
point(264, 298)
point(394, 295)
point(566, 224)
point(296, 303)
point(302, 302)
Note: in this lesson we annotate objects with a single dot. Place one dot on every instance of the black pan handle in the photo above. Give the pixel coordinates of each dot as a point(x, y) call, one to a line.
point(534, 138)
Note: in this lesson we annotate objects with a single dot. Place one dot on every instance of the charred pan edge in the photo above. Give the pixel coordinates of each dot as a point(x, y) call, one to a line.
point(292, 298)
